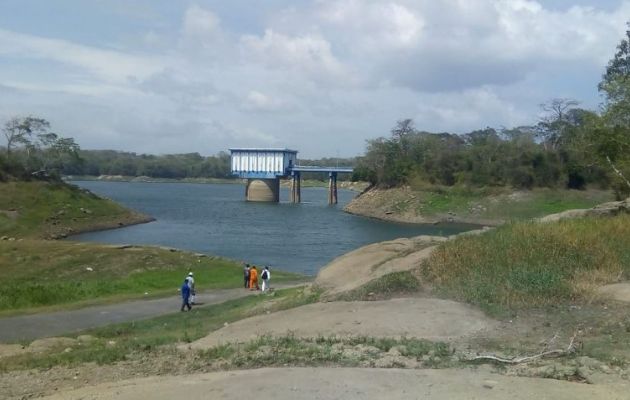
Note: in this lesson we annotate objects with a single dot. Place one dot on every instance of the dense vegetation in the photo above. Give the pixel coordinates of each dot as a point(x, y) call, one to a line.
point(529, 264)
point(173, 166)
point(569, 147)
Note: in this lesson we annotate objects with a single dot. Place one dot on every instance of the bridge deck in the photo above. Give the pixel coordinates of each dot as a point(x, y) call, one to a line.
point(308, 168)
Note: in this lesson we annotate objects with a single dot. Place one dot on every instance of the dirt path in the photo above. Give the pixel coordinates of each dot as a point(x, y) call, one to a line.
point(616, 291)
point(410, 317)
point(346, 383)
point(36, 326)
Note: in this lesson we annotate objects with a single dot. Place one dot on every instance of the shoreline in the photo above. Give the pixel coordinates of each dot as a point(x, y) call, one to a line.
point(137, 219)
point(482, 208)
point(419, 220)
point(358, 187)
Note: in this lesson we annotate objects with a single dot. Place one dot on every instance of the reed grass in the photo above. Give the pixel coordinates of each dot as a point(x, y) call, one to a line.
point(530, 264)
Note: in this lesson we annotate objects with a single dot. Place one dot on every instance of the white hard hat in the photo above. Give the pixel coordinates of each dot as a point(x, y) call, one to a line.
point(190, 274)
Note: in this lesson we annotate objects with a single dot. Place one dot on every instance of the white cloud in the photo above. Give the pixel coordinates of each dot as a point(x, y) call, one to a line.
point(108, 65)
point(308, 54)
point(199, 22)
point(467, 110)
point(378, 23)
point(257, 101)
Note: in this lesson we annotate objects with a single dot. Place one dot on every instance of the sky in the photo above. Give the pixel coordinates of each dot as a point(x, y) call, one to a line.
point(318, 76)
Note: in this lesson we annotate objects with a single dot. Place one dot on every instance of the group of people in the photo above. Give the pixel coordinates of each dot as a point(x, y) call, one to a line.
point(188, 292)
point(250, 277)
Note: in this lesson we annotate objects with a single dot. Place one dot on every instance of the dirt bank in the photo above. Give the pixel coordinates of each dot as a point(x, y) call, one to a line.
point(412, 317)
point(407, 206)
point(346, 383)
point(370, 262)
point(488, 207)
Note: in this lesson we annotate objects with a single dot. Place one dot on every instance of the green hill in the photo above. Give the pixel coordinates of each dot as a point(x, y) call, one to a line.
point(49, 210)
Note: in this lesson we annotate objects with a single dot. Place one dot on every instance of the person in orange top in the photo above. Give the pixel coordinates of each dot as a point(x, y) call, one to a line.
point(253, 278)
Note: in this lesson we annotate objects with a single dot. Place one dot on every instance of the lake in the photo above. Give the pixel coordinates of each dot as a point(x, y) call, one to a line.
point(216, 219)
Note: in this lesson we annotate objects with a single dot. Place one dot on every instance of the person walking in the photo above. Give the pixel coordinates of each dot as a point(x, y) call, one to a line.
point(191, 285)
point(265, 276)
point(185, 289)
point(246, 275)
point(253, 278)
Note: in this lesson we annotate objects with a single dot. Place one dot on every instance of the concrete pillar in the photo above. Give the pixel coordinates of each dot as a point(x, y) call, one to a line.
point(332, 188)
point(263, 190)
point(298, 192)
point(293, 188)
point(296, 187)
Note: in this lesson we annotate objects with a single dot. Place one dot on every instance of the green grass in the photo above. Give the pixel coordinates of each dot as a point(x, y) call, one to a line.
point(502, 204)
point(44, 210)
point(119, 342)
point(35, 273)
point(529, 264)
point(384, 287)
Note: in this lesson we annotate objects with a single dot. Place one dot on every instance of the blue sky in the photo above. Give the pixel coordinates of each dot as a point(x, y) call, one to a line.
point(321, 76)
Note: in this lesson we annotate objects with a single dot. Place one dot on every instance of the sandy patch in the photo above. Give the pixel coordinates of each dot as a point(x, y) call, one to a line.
point(616, 291)
point(433, 319)
point(10, 350)
point(346, 383)
point(370, 262)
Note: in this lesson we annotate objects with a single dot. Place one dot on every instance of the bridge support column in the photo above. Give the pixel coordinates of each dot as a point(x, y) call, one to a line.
point(263, 190)
point(332, 188)
point(296, 187)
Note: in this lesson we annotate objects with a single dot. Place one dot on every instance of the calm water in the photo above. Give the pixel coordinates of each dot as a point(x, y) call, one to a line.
point(216, 219)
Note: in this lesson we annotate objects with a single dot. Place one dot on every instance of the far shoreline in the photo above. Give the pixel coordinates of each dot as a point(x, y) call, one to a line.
point(345, 185)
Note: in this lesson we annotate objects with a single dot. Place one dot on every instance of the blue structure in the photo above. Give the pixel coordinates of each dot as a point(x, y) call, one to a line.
point(253, 163)
point(263, 169)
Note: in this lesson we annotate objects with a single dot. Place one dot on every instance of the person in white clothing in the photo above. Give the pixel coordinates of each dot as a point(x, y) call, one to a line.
point(265, 276)
point(191, 284)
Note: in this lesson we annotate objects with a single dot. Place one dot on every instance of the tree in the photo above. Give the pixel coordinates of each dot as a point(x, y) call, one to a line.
point(20, 131)
point(553, 126)
point(612, 141)
point(615, 85)
point(33, 149)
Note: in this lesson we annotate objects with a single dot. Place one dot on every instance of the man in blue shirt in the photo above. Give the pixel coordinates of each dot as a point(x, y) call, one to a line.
point(185, 295)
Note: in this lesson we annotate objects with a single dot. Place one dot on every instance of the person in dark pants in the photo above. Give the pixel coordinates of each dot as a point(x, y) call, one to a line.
point(246, 275)
point(186, 295)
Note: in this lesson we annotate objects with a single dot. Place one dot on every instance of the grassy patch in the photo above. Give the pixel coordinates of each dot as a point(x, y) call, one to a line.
point(387, 286)
point(45, 209)
point(132, 340)
point(502, 204)
point(529, 264)
point(36, 273)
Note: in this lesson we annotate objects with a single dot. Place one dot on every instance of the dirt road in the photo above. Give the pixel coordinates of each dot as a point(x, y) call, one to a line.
point(347, 384)
point(36, 326)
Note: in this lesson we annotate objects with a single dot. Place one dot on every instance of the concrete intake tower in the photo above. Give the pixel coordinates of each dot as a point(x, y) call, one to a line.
point(263, 169)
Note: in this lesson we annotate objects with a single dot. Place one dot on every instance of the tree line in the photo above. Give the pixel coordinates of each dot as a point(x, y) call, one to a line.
point(172, 166)
point(568, 147)
point(33, 151)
